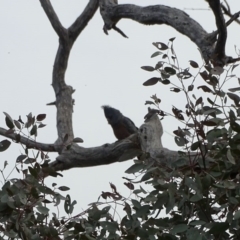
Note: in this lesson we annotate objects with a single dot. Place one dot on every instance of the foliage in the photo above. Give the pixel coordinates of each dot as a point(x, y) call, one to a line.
point(196, 197)
point(200, 191)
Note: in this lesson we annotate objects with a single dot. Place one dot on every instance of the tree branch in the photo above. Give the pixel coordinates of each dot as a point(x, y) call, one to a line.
point(227, 11)
point(47, 147)
point(219, 55)
point(81, 22)
point(148, 140)
point(146, 144)
point(112, 12)
point(63, 93)
point(53, 18)
point(88, 157)
point(158, 14)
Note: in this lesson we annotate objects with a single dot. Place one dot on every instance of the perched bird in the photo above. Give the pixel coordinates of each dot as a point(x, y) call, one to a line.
point(122, 126)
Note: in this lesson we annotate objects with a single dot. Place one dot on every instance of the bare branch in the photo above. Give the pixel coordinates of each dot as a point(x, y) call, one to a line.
point(47, 147)
point(219, 52)
point(147, 140)
point(53, 18)
point(88, 157)
point(112, 12)
point(227, 11)
point(234, 17)
point(81, 22)
point(119, 31)
point(158, 14)
point(63, 93)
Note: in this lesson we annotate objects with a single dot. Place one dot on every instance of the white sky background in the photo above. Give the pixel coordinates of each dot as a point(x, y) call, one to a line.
point(103, 70)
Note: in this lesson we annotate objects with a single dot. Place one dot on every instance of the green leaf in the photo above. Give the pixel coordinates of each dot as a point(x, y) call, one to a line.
point(211, 111)
point(30, 160)
point(45, 190)
point(235, 126)
point(146, 176)
point(180, 141)
point(151, 81)
point(197, 222)
point(4, 198)
point(160, 45)
point(22, 197)
point(230, 157)
point(148, 68)
point(199, 101)
point(17, 124)
point(234, 89)
point(112, 227)
point(233, 200)
point(20, 158)
point(162, 200)
point(158, 65)
point(213, 134)
point(34, 130)
point(4, 145)
point(8, 120)
point(41, 125)
point(209, 123)
point(185, 74)
point(179, 228)
point(105, 209)
point(237, 215)
point(218, 227)
point(194, 234)
point(137, 167)
point(136, 203)
point(175, 90)
point(41, 117)
point(204, 75)
point(170, 70)
point(165, 82)
point(5, 164)
point(33, 172)
point(156, 54)
point(195, 198)
point(234, 97)
point(205, 88)
point(193, 64)
point(190, 88)
point(63, 188)
point(67, 204)
point(232, 115)
point(72, 207)
point(149, 103)
point(143, 211)
point(195, 146)
point(43, 210)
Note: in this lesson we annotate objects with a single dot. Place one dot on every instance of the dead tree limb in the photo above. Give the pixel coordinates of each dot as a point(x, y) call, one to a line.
point(112, 13)
point(227, 11)
point(63, 92)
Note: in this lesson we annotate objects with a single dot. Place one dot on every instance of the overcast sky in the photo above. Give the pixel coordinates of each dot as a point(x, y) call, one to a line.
point(103, 70)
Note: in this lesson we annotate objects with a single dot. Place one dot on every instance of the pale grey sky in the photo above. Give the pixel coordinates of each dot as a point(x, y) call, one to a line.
point(103, 70)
